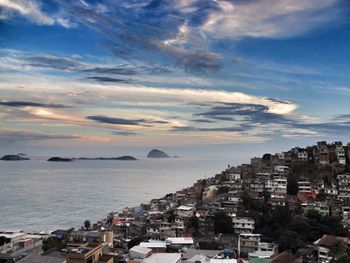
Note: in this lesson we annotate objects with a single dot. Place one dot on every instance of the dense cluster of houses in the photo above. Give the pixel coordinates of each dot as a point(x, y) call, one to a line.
point(183, 226)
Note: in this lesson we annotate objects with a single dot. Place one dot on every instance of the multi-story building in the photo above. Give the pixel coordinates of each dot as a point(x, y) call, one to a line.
point(248, 242)
point(277, 187)
point(340, 152)
point(323, 153)
point(343, 187)
point(243, 225)
point(324, 246)
point(282, 169)
point(89, 254)
point(304, 187)
point(185, 210)
point(302, 156)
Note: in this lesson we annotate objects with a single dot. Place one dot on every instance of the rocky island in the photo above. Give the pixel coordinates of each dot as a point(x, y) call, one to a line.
point(14, 157)
point(157, 154)
point(59, 159)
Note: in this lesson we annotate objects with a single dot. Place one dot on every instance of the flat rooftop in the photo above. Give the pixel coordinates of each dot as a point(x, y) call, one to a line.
point(52, 257)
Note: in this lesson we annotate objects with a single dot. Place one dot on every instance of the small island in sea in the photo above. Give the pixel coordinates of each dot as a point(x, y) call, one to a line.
point(59, 159)
point(14, 157)
point(157, 154)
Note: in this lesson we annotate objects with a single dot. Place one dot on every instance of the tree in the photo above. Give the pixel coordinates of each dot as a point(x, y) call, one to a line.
point(193, 223)
point(223, 223)
point(87, 224)
point(170, 215)
point(292, 186)
point(223, 190)
point(290, 240)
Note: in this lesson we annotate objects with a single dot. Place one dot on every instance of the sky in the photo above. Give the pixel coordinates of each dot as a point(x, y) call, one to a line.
point(194, 77)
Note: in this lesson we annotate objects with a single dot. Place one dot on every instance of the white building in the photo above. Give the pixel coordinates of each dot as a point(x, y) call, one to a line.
point(179, 242)
point(282, 169)
point(343, 187)
point(138, 252)
point(304, 187)
point(234, 177)
point(265, 250)
point(185, 211)
point(277, 187)
point(340, 151)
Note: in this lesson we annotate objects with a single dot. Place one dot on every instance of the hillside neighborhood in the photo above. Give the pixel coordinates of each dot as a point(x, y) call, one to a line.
point(288, 207)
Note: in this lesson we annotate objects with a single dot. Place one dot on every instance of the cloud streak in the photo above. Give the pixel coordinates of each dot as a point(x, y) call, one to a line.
point(32, 104)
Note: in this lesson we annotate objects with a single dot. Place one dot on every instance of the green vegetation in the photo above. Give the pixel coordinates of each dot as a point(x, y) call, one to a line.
point(292, 185)
point(223, 223)
point(291, 231)
point(53, 243)
point(223, 190)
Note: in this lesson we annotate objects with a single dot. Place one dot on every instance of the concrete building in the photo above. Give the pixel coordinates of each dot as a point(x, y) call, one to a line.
point(277, 187)
point(179, 242)
point(302, 156)
point(282, 169)
point(139, 252)
point(243, 225)
point(248, 243)
point(304, 187)
point(340, 152)
point(185, 211)
point(157, 246)
point(343, 187)
point(17, 244)
point(88, 255)
point(323, 153)
point(324, 245)
point(265, 250)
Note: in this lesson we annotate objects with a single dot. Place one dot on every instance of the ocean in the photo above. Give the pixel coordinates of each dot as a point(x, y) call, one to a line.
point(37, 194)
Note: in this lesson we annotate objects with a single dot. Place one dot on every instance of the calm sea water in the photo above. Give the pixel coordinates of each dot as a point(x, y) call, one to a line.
point(37, 194)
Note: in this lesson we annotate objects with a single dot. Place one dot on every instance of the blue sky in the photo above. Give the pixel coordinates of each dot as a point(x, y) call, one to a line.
point(186, 74)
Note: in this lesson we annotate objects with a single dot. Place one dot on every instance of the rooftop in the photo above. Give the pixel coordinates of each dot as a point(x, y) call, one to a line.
point(163, 258)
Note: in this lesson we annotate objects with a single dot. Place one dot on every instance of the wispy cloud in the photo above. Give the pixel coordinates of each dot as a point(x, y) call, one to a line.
point(32, 104)
point(32, 10)
point(55, 62)
point(268, 18)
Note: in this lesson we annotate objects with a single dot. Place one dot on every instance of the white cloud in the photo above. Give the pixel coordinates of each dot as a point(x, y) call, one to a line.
point(27, 8)
point(130, 93)
point(31, 9)
point(269, 18)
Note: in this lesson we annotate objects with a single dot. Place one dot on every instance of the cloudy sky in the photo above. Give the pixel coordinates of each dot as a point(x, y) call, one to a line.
point(209, 75)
